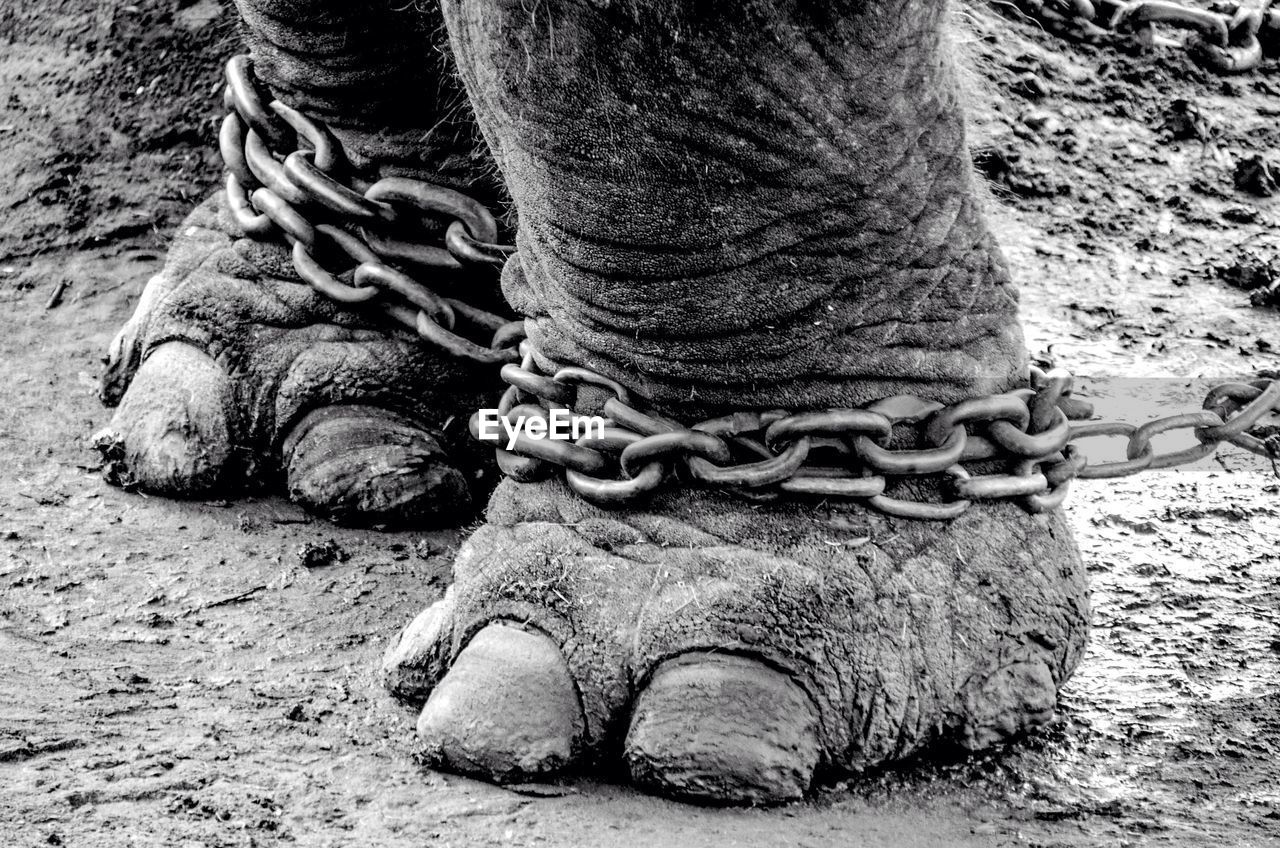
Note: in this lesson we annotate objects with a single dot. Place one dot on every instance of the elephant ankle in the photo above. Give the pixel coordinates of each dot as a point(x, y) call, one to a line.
point(379, 76)
point(727, 215)
point(943, 327)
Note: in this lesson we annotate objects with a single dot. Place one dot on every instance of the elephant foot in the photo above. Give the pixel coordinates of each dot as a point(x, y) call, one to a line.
point(172, 434)
point(732, 653)
point(233, 373)
point(507, 710)
point(711, 727)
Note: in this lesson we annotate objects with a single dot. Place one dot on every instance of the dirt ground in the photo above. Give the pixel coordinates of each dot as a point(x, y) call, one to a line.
point(178, 674)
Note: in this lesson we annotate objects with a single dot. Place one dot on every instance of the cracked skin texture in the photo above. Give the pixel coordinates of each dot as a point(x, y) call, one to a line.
point(232, 371)
point(720, 205)
point(898, 634)
point(756, 204)
point(233, 374)
point(746, 204)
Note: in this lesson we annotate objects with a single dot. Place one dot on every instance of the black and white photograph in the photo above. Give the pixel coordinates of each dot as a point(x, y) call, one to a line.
point(673, 423)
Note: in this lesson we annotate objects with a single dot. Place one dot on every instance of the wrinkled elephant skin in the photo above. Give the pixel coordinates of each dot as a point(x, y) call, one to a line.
point(721, 206)
point(725, 206)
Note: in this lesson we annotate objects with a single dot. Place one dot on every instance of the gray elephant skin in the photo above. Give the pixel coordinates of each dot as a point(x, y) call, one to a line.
point(722, 206)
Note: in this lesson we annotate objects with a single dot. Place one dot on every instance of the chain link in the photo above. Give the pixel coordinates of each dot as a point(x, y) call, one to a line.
point(1227, 43)
point(275, 188)
point(862, 453)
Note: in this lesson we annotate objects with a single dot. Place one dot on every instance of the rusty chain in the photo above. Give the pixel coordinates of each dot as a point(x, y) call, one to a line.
point(861, 453)
point(1227, 43)
point(285, 178)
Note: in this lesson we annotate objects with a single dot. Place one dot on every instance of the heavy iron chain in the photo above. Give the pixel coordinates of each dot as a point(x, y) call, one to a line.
point(861, 453)
point(286, 177)
point(1225, 43)
point(305, 197)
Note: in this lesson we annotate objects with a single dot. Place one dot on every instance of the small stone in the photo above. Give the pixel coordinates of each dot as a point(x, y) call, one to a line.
point(1183, 119)
point(1257, 176)
point(1252, 272)
point(1240, 215)
point(1041, 122)
point(320, 554)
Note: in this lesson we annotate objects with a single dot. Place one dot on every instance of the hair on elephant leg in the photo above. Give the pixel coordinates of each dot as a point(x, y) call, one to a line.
point(751, 206)
point(275, 381)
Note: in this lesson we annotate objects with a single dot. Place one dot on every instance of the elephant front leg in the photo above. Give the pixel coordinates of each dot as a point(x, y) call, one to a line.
point(724, 207)
point(233, 372)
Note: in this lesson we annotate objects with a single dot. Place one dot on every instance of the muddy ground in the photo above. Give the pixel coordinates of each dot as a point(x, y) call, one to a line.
point(177, 674)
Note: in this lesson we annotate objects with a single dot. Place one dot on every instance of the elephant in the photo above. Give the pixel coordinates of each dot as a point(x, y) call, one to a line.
point(720, 207)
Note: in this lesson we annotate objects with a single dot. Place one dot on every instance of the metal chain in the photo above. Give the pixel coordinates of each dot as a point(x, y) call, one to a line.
point(856, 454)
point(1226, 43)
point(275, 187)
point(861, 453)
